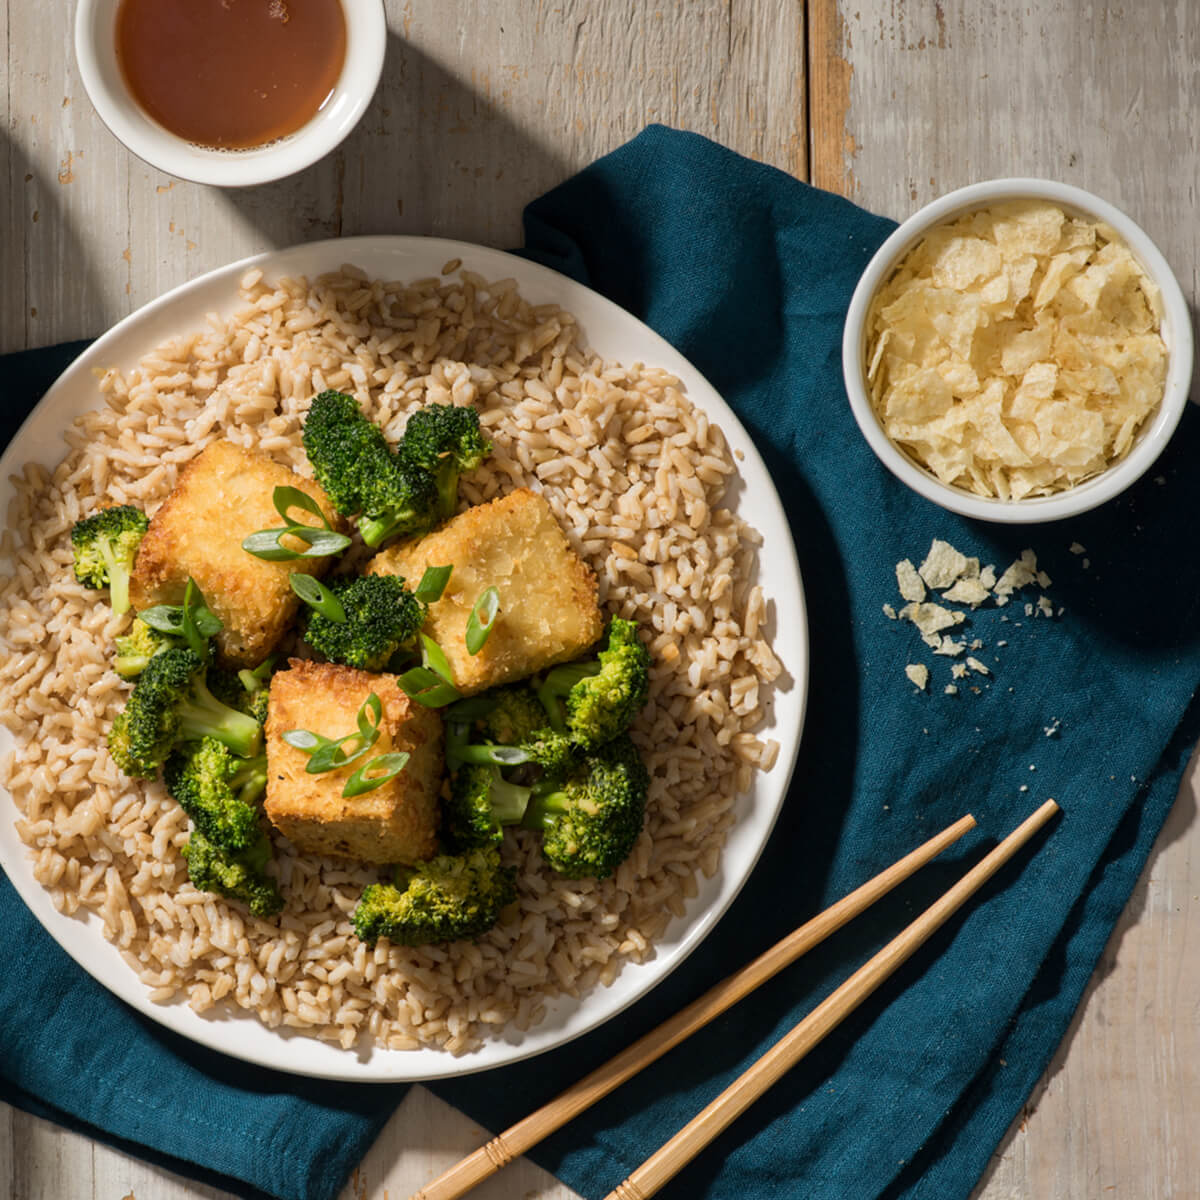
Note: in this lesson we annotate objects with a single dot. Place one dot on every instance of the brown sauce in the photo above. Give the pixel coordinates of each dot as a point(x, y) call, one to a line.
point(231, 73)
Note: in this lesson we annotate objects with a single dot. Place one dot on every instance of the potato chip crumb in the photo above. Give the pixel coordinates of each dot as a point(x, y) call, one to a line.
point(1019, 574)
point(950, 647)
point(889, 612)
point(918, 674)
point(1045, 607)
point(950, 690)
point(970, 592)
point(959, 670)
point(1015, 351)
point(943, 565)
point(931, 618)
point(977, 666)
point(1052, 729)
point(909, 582)
point(1076, 548)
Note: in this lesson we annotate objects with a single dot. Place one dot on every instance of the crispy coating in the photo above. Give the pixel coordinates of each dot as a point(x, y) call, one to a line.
point(223, 495)
point(548, 608)
point(397, 822)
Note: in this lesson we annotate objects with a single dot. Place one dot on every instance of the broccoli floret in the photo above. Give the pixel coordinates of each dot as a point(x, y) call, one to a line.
point(481, 803)
point(442, 900)
point(591, 818)
point(361, 475)
point(444, 439)
point(408, 505)
point(238, 874)
point(601, 703)
point(104, 546)
point(138, 647)
point(515, 716)
point(382, 617)
point(230, 688)
point(218, 790)
point(171, 703)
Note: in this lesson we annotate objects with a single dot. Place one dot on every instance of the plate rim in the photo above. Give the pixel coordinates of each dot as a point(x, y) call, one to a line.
point(375, 1066)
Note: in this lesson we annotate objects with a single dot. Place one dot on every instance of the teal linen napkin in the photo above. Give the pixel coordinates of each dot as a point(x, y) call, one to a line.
point(749, 273)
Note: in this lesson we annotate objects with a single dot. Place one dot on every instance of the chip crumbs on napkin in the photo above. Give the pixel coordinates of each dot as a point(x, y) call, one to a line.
point(949, 575)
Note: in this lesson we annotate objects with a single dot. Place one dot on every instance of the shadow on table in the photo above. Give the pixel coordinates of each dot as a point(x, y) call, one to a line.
point(431, 156)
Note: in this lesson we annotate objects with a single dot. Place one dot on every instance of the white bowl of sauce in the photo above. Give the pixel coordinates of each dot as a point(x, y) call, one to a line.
point(230, 92)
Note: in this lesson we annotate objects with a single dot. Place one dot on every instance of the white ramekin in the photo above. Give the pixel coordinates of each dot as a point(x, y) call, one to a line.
point(96, 53)
point(1151, 440)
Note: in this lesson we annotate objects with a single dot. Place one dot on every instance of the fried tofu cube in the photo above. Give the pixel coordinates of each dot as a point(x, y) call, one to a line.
point(224, 494)
point(548, 608)
point(395, 822)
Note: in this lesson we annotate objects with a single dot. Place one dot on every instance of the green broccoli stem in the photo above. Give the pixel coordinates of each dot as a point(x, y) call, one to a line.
point(118, 578)
point(250, 779)
point(129, 666)
point(446, 478)
point(203, 715)
point(546, 801)
point(510, 801)
point(378, 529)
point(554, 688)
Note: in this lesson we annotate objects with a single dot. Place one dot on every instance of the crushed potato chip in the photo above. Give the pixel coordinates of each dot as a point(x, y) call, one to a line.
point(909, 582)
point(1016, 351)
point(918, 674)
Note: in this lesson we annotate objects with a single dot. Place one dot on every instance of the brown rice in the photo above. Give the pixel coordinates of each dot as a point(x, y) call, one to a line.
point(636, 476)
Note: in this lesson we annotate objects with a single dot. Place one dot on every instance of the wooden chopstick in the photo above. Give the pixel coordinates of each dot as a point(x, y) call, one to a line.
point(503, 1148)
point(671, 1157)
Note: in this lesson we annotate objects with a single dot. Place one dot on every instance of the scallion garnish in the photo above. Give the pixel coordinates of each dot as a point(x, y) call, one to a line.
point(317, 596)
point(328, 754)
point(481, 619)
point(168, 619)
point(321, 542)
point(432, 683)
point(433, 584)
point(375, 773)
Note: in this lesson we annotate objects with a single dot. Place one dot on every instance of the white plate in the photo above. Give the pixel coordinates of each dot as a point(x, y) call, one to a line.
point(613, 333)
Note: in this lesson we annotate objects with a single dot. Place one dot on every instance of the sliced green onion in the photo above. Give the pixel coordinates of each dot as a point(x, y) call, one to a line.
point(433, 583)
point(328, 754)
point(483, 617)
point(375, 773)
point(332, 756)
point(305, 739)
point(370, 716)
point(266, 543)
point(192, 599)
point(434, 657)
point(168, 618)
point(427, 688)
point(287, 498)
point(317, 596)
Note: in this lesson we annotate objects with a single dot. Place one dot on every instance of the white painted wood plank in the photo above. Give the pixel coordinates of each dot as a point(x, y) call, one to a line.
point(481, 109)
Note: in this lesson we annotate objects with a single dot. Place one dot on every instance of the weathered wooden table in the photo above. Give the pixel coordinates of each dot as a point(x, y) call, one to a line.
point(487, 103)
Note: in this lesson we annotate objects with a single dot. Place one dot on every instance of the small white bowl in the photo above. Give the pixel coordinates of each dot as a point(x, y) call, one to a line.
point(96, 53)
point(1151, 440)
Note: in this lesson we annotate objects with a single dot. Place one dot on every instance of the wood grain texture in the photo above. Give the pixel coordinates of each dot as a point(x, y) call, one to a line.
point(482, 107)
point(486, 104)
point(933, 97)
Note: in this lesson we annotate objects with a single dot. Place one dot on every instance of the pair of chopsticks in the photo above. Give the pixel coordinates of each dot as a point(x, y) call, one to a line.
point(789, 1050)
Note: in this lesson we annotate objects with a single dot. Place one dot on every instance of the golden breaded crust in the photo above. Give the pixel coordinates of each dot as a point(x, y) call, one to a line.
point(397, 822)
point(548, 608)
point(222, 495)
